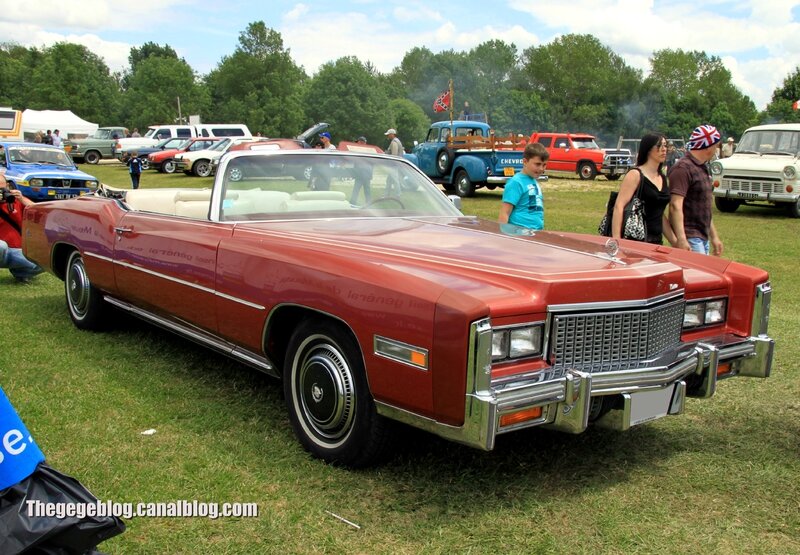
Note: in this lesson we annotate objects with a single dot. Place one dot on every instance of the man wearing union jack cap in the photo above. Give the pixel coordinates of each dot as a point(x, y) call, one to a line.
point(690, 194)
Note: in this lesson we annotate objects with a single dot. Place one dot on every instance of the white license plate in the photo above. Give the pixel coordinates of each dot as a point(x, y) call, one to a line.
point(63, 196)
point(650, 405)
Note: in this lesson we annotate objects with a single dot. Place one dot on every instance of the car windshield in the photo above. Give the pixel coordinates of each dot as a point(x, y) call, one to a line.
point(185, 144)
point(38, 155)
point(301, 184)
point(584, 142)
point(102, 134)
point(770, 141)
point(220, 145)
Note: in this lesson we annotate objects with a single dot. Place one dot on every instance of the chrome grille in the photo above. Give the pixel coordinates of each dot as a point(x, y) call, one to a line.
point(754, 186)
point(609, 340)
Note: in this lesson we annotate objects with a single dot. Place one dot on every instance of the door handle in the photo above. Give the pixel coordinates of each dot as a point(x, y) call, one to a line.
point(121, 230)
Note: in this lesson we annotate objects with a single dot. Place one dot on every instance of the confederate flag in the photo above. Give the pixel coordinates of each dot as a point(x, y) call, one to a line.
point(442, 103)
point(795, 105)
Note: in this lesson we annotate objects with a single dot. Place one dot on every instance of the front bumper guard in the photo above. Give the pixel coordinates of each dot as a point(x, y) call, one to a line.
point(566, 400)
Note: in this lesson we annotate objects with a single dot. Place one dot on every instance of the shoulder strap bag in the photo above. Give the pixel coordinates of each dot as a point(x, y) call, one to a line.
point(633, 222)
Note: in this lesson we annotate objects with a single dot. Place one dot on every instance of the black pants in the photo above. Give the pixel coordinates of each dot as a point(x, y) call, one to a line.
point(135, 180)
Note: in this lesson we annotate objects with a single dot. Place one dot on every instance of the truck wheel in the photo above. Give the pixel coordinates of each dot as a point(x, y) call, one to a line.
point(443, 160)
point(327, 395)
point(87, 309)
point(612, 176)
point(727, 204)
point(202, 168)
point(91, 157)
point(464, 185)
point(587, 170)
point(168, 166)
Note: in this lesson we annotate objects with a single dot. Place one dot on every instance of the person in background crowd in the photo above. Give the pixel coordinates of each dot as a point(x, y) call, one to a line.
point(135, 132)
point(37, 138)
point(523, 202)
point(395, 146)
point(48, 138)
point(690, 194)
point(672, 155)
point(12, 207)
point(134, 167)
point(325, 137)
point(56, 138)
point(363, 176)
point(466, 112)
point(727, 148)
point(649, 171)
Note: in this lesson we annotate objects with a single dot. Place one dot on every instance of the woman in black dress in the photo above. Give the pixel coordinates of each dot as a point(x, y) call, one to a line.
point(649, 171)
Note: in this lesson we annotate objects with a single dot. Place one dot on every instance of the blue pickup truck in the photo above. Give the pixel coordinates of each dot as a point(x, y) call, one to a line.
point(464, 156)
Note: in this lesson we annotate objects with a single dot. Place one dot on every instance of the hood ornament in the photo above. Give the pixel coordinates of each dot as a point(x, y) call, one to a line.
point(612, 247)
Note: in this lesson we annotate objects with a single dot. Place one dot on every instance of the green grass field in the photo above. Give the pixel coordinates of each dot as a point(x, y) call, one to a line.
point(721, 478)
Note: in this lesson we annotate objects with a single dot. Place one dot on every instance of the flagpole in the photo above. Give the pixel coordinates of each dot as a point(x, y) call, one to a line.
point(452, 102)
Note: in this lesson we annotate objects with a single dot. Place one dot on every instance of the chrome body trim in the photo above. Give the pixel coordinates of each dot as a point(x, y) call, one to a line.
point(202, 337)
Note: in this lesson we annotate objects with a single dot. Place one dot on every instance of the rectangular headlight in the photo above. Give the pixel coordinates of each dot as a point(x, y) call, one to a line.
point(704, 313)
point(517, 342)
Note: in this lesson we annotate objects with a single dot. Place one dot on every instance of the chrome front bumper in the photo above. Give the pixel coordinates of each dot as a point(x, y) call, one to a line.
point(565, 401)
point(747, 195)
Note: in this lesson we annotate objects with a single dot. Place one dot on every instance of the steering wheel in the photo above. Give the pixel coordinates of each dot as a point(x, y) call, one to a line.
point(381, 199)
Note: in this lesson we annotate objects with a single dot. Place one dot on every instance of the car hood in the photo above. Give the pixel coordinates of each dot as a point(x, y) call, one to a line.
point(757, 162)
point(513, 269)
point(47, 171)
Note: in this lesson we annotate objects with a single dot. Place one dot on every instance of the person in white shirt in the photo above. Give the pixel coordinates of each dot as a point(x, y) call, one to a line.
point(395, 146)
point(57, 138)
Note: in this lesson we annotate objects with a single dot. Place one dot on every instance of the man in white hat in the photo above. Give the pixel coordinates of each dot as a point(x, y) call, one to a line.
point(395, 146)
point(727, 148)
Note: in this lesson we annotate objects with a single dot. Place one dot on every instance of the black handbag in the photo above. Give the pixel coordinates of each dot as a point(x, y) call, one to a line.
point(633, 223)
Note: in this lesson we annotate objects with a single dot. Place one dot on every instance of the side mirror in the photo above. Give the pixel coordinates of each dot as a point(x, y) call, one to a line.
point(416, 143)
point(456, 200)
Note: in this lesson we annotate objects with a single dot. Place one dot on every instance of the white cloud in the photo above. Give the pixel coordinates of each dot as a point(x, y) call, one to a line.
point(297, 12)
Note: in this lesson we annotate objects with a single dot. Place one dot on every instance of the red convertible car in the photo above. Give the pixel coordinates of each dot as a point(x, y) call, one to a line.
point(374, 305)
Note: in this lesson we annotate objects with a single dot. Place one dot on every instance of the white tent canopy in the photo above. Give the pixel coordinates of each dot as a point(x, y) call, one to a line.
point(63, 120)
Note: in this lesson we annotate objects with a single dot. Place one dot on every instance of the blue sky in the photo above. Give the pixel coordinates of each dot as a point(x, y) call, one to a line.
point(758, 41)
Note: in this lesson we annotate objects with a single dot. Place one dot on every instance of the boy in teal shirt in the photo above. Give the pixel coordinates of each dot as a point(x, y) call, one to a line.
point(523, 204)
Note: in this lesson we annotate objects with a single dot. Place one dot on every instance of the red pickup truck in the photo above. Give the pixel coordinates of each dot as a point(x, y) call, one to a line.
point(579, 153)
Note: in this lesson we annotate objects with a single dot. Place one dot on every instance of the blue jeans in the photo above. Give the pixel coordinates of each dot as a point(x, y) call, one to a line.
point(698, 245)
point(19, 266)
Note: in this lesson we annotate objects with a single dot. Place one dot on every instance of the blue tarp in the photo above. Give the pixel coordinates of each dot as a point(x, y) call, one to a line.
point(19, 454)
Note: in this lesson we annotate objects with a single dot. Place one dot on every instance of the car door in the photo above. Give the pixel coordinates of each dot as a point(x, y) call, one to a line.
point(559, 154)
point(167, 264)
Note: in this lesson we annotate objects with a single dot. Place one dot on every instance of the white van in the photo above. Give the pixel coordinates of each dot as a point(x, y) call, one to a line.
point(10, 125)
point(155, 133)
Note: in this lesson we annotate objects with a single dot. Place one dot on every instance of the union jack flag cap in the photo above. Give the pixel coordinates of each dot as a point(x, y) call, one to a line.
point(703, 137)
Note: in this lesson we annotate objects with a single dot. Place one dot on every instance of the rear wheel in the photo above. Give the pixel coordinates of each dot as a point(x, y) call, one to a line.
point(587, 170)
point(464, 185)
point(91, 157)
point(327, 395)
point(168, 166)
point(202, 168)
point(87, 309)
point(727, 204)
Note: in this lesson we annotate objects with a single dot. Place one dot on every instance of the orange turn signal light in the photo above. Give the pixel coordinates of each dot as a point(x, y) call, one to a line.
point(520, 416)
point(723, 368)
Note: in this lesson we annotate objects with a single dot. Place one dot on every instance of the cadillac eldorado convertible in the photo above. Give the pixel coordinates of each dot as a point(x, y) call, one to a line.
point(353, 279)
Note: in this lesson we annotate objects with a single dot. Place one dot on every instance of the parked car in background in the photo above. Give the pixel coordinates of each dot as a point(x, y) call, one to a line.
point(99, 146)
point(44, 172)
point(404, 308)
point(164, 160)
point(200, 162)
point(579, 153)
point(156, 133)
point(764, 169)
point(144, 152)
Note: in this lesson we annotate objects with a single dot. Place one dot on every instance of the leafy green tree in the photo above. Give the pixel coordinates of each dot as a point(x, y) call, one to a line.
point(156, 87)
point(138, 55)
point(16, 72)
point(699, 89)
point(259, 84)
point(347, 95)
point(780, 108)
point(583, 81)
point(410, 121)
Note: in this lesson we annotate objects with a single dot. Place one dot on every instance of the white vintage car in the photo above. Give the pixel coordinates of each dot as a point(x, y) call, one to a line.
point(765, 168)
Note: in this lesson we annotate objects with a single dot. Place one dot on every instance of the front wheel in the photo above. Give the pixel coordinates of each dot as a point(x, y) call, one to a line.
point(794, 209)
point(145, 163)
point(87, 309)
point(168, 166)
point(464, 185)
point(326, 392)
point(587, 170)
point(612, 176)
point(202, 168)
point(727, 204)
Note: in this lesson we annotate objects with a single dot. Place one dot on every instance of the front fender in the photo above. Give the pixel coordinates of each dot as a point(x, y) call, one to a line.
point(413, 158)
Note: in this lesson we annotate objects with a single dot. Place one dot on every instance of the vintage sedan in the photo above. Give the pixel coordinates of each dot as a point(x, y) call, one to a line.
point(400, 307)
point(44, 172)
